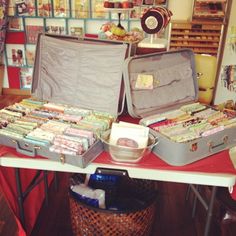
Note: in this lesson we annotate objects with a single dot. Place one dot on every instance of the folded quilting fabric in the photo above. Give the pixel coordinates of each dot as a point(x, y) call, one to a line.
point(61, 150)
point(33, 119)
point(54, 107)
point(63, 144)
point(205, 113)
point(81, 133)
point(55, 127)
point(36, 141)
point(26, 124)
point(104, 124)
point(11, 134)
point(72, 141)
point(93, 125)
point(193, 107)
point(11, 113)
point(39, 134)
point(44, 114)
point(77, 111)
point(69, 117)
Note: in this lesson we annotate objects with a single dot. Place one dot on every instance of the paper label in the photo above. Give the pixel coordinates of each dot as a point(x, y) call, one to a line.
point(144, 81)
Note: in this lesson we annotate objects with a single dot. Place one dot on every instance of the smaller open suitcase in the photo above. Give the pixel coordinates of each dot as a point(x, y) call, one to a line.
point(86, 73)
point(174, 85)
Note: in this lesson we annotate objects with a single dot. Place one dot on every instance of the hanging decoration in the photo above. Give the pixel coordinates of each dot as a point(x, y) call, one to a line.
point(155, 19)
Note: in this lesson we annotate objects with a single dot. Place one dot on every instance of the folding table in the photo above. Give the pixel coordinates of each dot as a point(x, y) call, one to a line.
point(217, 170)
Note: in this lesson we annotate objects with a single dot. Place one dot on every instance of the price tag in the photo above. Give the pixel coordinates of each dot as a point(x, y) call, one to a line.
point(144, 81)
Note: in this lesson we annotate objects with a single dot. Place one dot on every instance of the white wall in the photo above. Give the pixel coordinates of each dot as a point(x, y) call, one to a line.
point(181, 9)
point(229, 58)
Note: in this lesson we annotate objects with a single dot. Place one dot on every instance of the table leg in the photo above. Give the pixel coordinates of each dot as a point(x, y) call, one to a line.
point(195, 202)
point(20, 196)
point(55, 181)
point(45, 180)
point(210, 210)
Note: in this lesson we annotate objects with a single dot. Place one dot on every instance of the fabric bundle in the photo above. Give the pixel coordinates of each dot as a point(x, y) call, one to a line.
point(190, 122)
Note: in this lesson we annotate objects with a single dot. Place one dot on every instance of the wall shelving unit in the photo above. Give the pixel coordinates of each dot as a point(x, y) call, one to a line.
point(209, 9)
point(201, 36)
point(203, 33)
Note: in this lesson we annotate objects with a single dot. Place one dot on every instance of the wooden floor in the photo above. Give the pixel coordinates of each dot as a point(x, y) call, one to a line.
point(6, 100)
point(173, 213)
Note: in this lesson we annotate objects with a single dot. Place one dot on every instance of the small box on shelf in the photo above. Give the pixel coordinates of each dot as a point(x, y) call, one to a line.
point(30, 54)
point(80, 8)
point(44, 8)
point(15, 55)
point(26, 78)
point(210, 10)
point(61, 8)
point(15, 24)
point(25, 7)
point(56, 26)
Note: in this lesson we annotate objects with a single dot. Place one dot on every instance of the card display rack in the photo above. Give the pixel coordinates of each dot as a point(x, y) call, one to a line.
point(202, 37)
point(209, 9)
point(28, 18)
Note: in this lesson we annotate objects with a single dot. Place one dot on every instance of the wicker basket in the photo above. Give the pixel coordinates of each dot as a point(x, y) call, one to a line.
point(87, 220)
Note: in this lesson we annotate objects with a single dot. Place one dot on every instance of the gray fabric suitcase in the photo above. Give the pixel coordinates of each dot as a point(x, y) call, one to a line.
point(175, 84)
point(82, 72)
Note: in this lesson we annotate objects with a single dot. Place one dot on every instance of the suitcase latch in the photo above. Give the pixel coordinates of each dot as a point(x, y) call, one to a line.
point(62, 158)
point(210, 145)
point(225, 139)
point(193, 147)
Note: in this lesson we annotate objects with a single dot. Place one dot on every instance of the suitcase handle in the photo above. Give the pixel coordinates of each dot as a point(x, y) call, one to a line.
point(213, 147)
point(29, 152)
point(108, 171)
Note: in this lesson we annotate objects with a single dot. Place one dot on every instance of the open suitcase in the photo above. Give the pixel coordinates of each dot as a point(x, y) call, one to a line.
point(173, 84)
point(80, 72)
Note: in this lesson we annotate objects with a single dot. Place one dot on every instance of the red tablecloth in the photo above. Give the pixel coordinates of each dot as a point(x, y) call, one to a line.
point(217, 163)
point(33, 201)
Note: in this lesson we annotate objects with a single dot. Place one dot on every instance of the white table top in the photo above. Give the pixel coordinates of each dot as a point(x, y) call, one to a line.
point(188, 177)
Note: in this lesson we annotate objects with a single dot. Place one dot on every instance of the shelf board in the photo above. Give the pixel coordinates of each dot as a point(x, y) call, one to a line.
point(194, 40)
point(118, 10)
point(196, 33)
point(201, 51)
point(211, 1)
point(193, 45)
point(196, 27)
point(209, 15)
point(205, 51)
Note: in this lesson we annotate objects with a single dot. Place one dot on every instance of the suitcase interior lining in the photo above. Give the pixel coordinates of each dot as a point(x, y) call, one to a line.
point(86, 75)
point(173, 76)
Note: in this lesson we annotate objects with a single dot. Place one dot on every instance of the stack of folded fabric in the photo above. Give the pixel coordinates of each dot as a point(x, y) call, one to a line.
point(45, 134)
point(66, 144)
point(96, 122)
point(18, 129)
point(62, 128)
point(190, 122)
point(40, 137)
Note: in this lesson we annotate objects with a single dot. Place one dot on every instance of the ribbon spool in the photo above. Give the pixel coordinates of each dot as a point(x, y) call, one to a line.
point(155, 19)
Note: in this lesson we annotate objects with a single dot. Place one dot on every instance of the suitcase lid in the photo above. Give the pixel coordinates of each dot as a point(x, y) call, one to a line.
point(84, 73)
point(160, 81)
